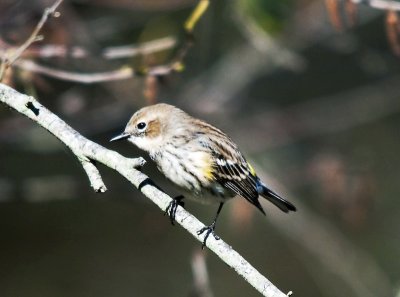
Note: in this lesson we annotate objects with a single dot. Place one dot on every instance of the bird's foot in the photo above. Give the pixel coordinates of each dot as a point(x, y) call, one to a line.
point(172, 207)
point(208, 230)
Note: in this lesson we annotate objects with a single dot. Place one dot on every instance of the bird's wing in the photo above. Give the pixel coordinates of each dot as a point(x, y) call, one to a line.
point(229, 167)
point(237, 177)
point(234, 172)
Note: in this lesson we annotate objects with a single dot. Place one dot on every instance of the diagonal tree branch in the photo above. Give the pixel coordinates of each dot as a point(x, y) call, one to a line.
point(88, 151)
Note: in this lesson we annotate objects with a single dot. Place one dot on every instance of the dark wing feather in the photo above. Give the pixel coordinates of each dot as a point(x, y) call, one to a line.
point(238, 178)
point(231, 169)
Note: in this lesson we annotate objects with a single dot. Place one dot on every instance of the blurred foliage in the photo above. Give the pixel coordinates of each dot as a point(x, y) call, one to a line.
point(327, 131)
point(270, 15)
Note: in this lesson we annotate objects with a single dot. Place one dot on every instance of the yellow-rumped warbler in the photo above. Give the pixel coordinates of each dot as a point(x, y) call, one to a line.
point(200, 159)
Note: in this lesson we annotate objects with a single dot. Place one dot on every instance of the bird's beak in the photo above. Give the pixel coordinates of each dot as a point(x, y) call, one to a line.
point(123, 135)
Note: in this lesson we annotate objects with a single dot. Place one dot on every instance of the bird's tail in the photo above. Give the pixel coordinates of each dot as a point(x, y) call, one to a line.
point(275, 199)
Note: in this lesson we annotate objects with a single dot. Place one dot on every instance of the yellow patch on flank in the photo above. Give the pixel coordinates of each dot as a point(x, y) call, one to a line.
point(252, 171)
point(208, 168)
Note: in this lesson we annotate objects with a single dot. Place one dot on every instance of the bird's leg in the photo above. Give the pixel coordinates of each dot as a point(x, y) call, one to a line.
point(211, 228)
point(172, 206)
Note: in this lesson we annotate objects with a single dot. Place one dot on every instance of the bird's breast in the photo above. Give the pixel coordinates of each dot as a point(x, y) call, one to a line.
point(192, 171)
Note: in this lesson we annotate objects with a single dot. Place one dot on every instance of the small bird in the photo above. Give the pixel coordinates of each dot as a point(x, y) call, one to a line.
point(200, 159)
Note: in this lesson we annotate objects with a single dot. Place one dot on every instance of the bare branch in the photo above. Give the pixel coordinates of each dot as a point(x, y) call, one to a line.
point(176, 63)
point(334, 15)
point(83, 148)
point(392, 31)
point(145, 48)
point(200, 275)
point(197, 13)
point(93, 174)
point(50, 11)
point(84, 78)
point(112, 52)
point(351, 12)
point(90, 78)
point(380, 4)
point(392, 23)
point(382, 100)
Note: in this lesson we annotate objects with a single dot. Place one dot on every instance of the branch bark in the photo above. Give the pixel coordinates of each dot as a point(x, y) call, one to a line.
point(87, 152)
point(380, 4)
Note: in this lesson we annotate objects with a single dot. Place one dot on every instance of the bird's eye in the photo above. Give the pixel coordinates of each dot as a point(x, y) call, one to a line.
point(141, 126)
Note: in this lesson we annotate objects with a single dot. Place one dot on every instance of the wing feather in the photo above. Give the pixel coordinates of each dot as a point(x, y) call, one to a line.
point(238, 178)
point(231, 169)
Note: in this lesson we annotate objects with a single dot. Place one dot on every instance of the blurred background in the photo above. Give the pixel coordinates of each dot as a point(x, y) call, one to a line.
point(310, 90)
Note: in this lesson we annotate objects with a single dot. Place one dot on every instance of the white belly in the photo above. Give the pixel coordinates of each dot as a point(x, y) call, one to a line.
point(187, 172)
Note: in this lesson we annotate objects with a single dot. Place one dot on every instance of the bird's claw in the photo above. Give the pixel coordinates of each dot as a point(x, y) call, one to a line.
point(172, 207)
point(208, 230)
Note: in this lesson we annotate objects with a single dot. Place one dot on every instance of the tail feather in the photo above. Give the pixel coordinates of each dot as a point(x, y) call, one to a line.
point(275, 199)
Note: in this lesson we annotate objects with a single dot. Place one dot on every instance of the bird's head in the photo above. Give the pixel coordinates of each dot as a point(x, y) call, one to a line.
point(151, 127)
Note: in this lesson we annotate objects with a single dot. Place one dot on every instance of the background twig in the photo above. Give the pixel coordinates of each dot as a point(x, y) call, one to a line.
point(51, 11)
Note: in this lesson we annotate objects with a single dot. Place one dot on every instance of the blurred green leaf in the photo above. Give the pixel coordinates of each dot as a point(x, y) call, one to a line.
point(270, 15)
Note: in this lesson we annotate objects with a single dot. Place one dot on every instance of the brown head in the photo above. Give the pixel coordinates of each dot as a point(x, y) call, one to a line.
point(148, 126)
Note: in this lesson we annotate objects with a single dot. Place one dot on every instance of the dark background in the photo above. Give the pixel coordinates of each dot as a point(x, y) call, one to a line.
point(315, 110)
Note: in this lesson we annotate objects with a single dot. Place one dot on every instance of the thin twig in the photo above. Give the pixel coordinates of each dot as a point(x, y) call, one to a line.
point(50, 11)
point(90, 78)
point(200, 275)
point(348, 263)
point(392, 31)
point(195, 16)
point(93, 174)
point(144, 48)
point(84, 148)
point(332, 7)
point(84, 78)
point(380, 4)
point(176, 63)
point(112, 52)
point(359, 106)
